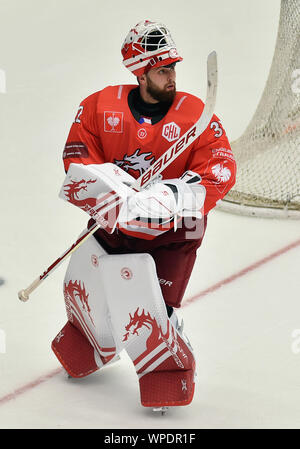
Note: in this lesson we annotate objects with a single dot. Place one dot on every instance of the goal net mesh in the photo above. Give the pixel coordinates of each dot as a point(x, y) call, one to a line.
point(268, 153)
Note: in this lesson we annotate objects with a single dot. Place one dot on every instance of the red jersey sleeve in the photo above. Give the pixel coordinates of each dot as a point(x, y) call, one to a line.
point(212, 158)
point(83, 144)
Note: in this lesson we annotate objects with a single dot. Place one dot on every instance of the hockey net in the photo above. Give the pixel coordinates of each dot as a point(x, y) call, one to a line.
point(268, 153)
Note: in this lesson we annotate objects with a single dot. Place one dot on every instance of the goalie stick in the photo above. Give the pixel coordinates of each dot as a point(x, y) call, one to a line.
point(154, 170)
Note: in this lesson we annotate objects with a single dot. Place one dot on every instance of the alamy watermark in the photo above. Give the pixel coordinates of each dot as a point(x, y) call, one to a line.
point(295, 346)
point(296, 81)
point(2, 342)
point(2, 82)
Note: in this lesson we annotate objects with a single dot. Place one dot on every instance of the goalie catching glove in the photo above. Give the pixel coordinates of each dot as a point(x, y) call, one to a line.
point(162, 201)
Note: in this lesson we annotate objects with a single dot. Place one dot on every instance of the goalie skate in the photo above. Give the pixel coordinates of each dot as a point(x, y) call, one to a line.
point(162, 410)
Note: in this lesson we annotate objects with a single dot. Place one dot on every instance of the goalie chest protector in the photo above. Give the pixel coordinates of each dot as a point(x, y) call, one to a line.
point(135, 146)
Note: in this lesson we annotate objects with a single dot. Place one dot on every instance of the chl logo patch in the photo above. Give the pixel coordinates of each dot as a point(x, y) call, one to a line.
point(113, 122)
point(171, 131)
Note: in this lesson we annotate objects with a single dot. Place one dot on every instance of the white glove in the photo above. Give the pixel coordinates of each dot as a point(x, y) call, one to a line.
point(164, 200)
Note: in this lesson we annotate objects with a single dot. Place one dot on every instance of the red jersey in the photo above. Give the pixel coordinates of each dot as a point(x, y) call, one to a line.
point(105, 130)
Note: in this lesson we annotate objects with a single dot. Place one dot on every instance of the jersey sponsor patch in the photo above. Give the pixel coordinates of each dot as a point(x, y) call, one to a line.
point(113, 122)
point(223, 153)
point(75, 149)
point(171, 131)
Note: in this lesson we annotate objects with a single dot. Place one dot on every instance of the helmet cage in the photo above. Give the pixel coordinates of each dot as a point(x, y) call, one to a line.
point(148, 45)
point(155, 38)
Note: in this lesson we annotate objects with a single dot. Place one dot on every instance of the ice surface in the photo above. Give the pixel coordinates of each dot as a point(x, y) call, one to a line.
point(243, 333)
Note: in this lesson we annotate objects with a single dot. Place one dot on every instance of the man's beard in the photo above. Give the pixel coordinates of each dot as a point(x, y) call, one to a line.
point(161, 95)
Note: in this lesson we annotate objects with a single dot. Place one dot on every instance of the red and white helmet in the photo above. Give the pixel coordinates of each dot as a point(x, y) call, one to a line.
point(148, 44)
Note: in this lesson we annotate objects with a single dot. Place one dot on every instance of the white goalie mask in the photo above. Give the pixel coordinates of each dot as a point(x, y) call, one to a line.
point(148, 44)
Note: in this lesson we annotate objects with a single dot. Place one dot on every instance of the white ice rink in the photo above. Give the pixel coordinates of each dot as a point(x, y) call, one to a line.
point(245, 333)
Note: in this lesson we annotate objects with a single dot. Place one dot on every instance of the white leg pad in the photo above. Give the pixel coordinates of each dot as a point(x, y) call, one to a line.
point(87, 311)
point(163, 361)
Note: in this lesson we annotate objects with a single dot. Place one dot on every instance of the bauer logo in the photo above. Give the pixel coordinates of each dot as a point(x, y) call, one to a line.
point(113, 122)
point(126, 273)
point(183, 385)
point(142, 133)
point(173, 53)
point(171, 131)
point(59, 336)
point(94, 260)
